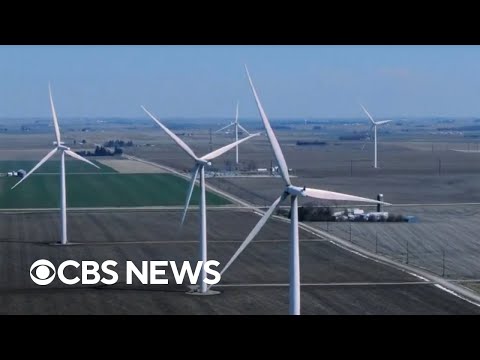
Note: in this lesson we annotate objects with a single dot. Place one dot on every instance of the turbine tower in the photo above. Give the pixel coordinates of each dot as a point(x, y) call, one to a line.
point(63, 190)
point(237, 125)
point(374, 128)
point(294, 192)
point(200, 163)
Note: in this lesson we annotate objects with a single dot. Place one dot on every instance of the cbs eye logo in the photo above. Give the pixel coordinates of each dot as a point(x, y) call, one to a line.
point(42, 272)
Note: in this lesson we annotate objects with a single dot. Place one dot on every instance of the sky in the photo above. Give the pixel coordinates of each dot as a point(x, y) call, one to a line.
point(206, 81)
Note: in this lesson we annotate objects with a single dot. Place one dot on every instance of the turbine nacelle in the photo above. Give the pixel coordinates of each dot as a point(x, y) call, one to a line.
point(200, 162)
point(295, 190)
point(58, 143)
point(62, 147)
point(203, 162)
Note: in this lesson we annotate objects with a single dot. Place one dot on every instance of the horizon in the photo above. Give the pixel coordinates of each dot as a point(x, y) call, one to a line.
point(298, 119)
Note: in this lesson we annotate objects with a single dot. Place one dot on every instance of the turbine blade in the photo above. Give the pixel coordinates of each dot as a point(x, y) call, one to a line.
point(236, 114)
point(271, 136)
point(222, 150)
point(175, 138)
point(81, 158)
point(466, 151)
point(225, 127)
point(329, 195)
point(243, 129)
point(254, 231)
point(383, 122)
point(368, 114)
point(40, 163)
point(189, 193)
point(54, 113)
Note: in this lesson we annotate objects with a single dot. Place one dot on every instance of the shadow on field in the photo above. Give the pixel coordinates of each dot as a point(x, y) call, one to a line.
point(117, 287)
point(10, 241)
point(170, 288)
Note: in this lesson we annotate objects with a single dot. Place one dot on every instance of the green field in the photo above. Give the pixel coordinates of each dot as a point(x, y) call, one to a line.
point(53, 166)
point(100, 190)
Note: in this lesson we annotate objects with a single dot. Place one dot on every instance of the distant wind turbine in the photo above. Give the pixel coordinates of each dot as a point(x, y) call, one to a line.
point(374, 128)
point(64, 150)
point(200, 163)
point(237, 125)
point(294, 192)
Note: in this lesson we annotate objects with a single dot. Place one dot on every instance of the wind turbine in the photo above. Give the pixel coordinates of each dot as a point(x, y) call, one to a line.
point(294, 192)
point(64, 151)
point(374, 127)
point(237, 125)
point(200, 163)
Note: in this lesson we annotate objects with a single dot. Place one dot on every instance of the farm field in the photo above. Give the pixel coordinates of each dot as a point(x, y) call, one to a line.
point(336, 282)
point(408, 173)
point(397, 189)
point(340, 282)
point(53, 166)
point(337, 158)
point(448, 248)
point(100, 190)
point(125, 166)
point(422, 173)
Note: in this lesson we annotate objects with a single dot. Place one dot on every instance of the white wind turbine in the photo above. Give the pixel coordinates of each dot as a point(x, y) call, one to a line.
point(237, 125)
point(64, 150)
point(374, 127)
point(200, 163)
point(294, 192)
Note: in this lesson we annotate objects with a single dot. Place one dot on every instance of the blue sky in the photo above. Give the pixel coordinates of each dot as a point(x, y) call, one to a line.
point(206, 81)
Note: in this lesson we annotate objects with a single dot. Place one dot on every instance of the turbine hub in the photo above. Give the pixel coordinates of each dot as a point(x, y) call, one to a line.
point(295, 190)
point(63, 147)
point(204, 162)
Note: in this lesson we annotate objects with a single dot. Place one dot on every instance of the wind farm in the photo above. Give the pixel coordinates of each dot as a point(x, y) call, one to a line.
point(308, 225)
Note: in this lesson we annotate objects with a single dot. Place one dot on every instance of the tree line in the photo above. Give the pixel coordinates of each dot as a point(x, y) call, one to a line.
point(101, 151)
